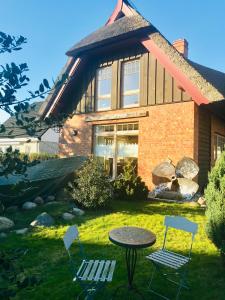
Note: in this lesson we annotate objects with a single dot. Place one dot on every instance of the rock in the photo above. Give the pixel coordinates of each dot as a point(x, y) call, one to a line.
point(68, 216)
point(43, 219)
point(21, 231)
point(5, 224)
point(202, 202)
point(12, 209)
point(29, 205)
point(78, 212)
point(3, 235)
point(39, 200)
point(50, 199)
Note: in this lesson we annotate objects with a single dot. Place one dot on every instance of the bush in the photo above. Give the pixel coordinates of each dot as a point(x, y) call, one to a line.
point(91, 188)
point(128, 186)
point(40, 156)
point(215, 200)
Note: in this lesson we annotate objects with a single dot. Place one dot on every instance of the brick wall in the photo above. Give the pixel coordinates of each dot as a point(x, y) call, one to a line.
point(167, 131)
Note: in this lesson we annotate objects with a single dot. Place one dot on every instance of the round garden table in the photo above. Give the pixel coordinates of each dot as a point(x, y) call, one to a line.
point(132, 239)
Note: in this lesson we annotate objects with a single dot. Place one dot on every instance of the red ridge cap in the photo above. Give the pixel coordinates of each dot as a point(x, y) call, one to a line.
point(116, 12)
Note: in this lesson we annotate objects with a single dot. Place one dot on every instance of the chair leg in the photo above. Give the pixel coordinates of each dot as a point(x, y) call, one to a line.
point(152, 276)
point(156, 268)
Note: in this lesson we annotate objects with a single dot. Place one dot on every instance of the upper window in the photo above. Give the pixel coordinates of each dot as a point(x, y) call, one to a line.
point(130, 83)
point(103, 90)
point(219, 146)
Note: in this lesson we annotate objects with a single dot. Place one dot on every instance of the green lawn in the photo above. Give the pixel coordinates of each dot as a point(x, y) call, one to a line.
point(46, 256)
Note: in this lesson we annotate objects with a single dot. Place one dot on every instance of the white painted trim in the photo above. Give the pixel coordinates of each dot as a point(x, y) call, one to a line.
point(73, 69)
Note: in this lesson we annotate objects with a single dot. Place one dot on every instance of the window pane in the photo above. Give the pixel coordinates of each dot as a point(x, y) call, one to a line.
point(103, 91)
point(130, 100)
point(130, 83)
point(104, 146)
point(219, 146)
point(104, 87)
point(103, 104)
point(115, 144)
point(127, 146)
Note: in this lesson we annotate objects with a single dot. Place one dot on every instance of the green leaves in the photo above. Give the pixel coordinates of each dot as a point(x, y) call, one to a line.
point(9, 43)
point(46, 84)
point(11, 162)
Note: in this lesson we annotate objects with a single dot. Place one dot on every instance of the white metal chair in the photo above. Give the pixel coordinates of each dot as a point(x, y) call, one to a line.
point(163, 259)
point(92, 275)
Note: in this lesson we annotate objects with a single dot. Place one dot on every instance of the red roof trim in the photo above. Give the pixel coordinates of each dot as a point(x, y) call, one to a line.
point(120, 7)
point(175, 72)
point(116, 12)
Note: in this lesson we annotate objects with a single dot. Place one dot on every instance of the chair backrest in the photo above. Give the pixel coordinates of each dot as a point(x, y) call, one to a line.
point(180, 223)
point(70, 236)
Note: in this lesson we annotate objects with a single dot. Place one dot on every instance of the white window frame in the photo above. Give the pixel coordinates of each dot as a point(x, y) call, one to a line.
point(218, 139)
point(106, 96)
point(130, 92)
point(114, 134)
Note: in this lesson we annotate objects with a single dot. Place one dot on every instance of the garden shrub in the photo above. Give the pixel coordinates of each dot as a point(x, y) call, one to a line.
point(40, 156)
point(91, 188)
point(215, 200)
point(128, 186)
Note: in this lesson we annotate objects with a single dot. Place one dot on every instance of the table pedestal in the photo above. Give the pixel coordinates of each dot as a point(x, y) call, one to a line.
point(130, 289)
point(131, 259)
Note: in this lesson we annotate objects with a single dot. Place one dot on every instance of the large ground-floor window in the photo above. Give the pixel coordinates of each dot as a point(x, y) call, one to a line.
point(115, 145)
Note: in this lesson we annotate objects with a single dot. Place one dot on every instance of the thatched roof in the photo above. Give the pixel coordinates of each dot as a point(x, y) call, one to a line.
point(209, 82)
point(216, 78)
point(202, 77)
point(120, 29)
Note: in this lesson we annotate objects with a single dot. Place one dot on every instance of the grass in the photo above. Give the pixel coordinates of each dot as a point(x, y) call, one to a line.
point(47, 257)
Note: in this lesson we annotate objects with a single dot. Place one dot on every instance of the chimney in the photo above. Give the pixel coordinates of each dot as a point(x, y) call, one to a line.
point(182, 46)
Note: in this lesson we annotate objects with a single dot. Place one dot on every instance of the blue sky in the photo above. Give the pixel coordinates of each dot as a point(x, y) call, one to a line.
point(52, 27)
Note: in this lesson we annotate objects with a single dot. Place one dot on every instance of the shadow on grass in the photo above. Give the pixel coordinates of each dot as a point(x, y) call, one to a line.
point(48, 258)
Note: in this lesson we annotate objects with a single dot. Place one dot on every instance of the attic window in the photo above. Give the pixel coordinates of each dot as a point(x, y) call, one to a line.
point(103, 89)
point(130, 83)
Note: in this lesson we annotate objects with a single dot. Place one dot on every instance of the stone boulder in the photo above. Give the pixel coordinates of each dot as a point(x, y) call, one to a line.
point(29, 205)
point(6, 224)
point(202, 202)
point(78, 212)
point(21, 231)
point(50, 198)
point(39, 200)
point(68, 216)
point(44, 220)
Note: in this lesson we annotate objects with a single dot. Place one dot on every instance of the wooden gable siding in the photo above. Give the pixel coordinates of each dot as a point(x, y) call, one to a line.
point(157, 86)
point(204, 145)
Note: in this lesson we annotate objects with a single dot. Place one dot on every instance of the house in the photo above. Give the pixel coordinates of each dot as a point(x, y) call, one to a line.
point(134, 95)
point(45, 140)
